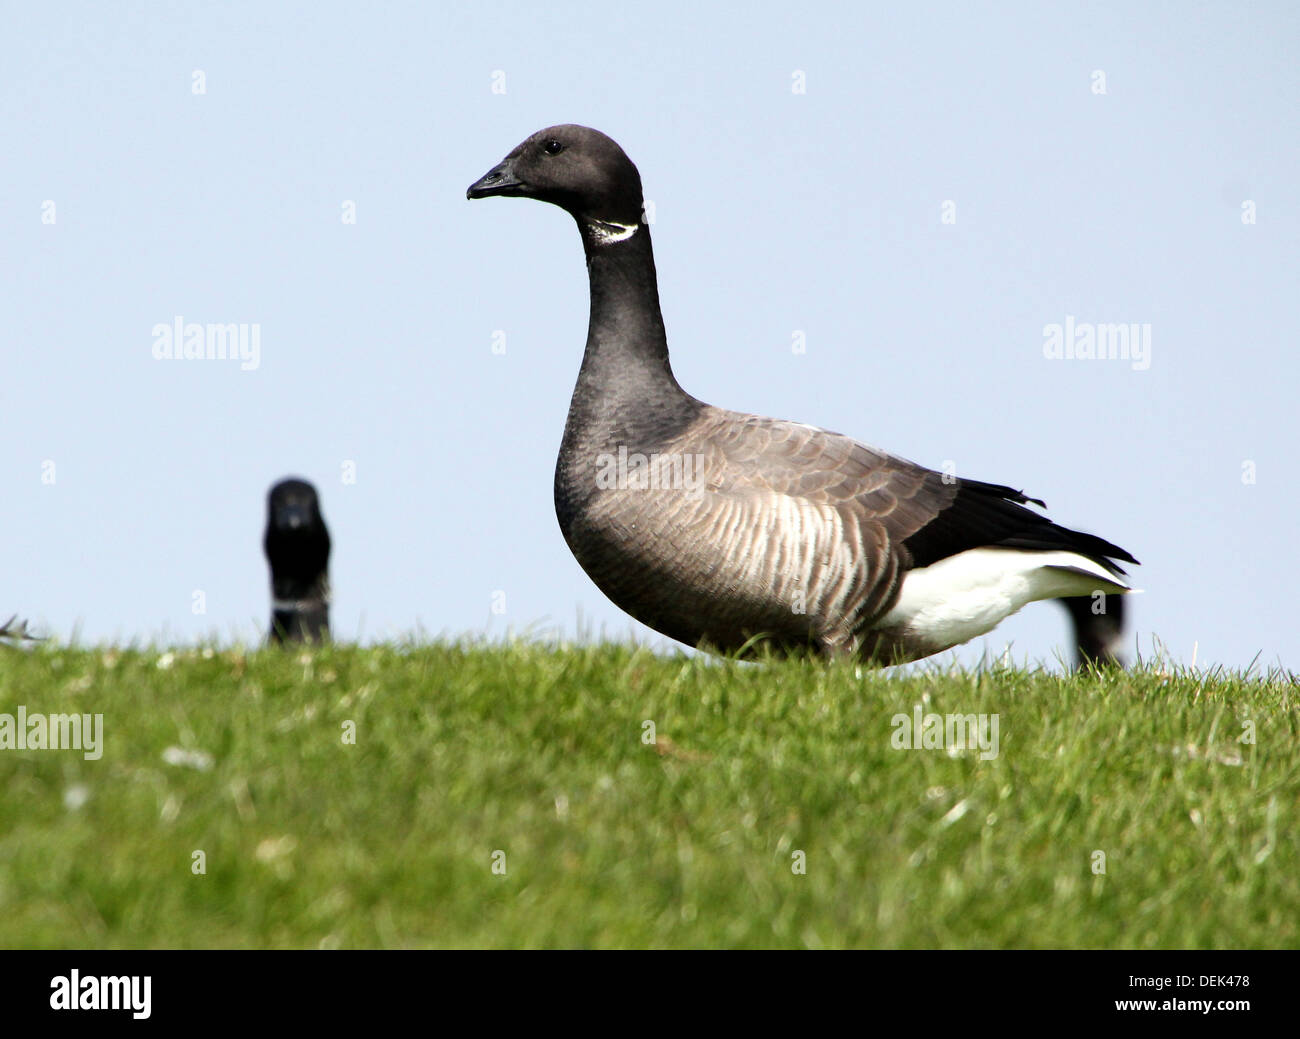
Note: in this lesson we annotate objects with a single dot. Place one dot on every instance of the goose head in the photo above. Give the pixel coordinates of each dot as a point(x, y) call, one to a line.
point(574, 167)
point(297, 542)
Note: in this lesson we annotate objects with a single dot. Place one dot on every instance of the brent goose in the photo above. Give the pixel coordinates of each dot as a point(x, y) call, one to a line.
point(297, 546)
point(722, 529)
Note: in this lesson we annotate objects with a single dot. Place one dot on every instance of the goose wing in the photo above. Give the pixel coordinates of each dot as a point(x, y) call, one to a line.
point(921, 515)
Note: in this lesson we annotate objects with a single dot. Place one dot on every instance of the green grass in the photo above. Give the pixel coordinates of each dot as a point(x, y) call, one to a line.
point(462, 751)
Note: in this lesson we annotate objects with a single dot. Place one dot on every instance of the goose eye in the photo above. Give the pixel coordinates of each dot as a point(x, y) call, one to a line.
point(552, 147)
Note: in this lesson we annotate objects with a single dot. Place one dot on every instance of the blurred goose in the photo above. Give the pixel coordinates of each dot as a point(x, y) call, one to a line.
point(723, 529)
point(1098, 623)
point(297, 546)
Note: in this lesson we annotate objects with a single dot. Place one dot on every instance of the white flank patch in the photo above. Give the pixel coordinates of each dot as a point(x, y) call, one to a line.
point(604, 232)
point(971, 593)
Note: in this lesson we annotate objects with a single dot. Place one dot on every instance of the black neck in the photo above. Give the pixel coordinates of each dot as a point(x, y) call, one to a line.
point(301, 623)
point(625, 369)
point(300, 609)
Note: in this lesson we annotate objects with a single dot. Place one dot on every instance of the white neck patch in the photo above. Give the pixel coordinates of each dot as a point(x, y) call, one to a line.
point(605, 232)
point(294, 605)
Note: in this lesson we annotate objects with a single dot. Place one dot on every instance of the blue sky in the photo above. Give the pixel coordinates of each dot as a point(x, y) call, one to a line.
point(132, 483)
